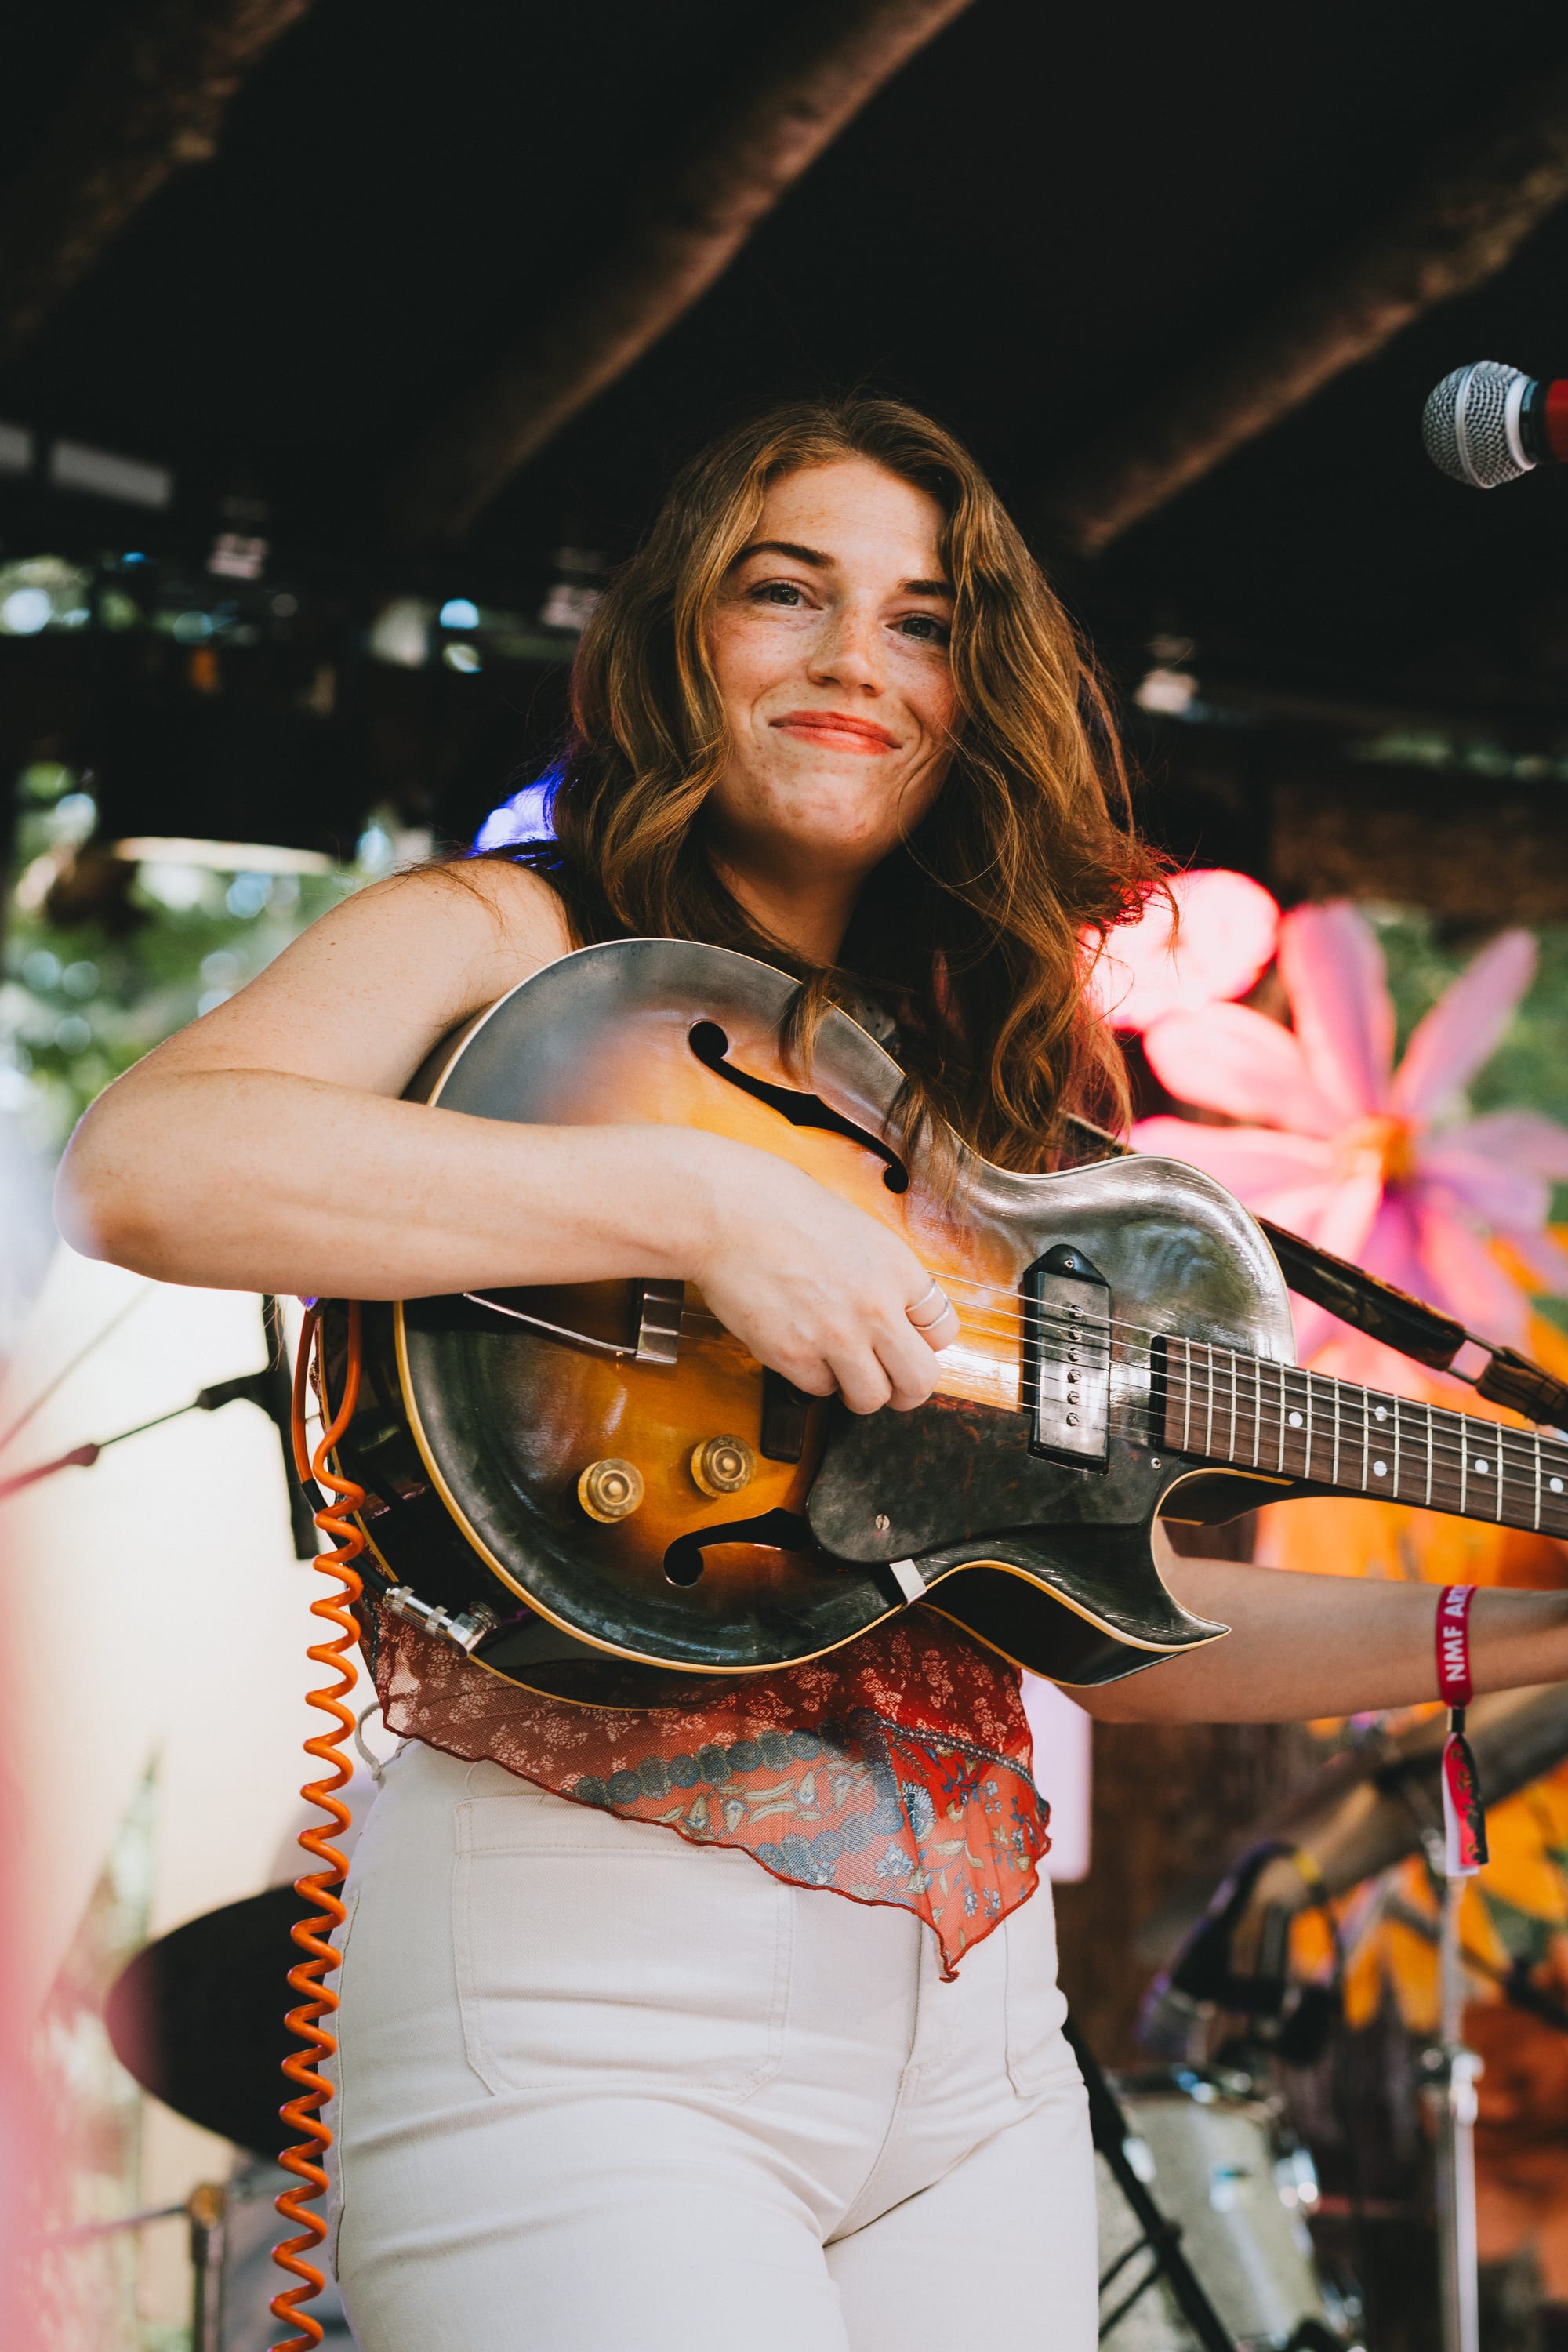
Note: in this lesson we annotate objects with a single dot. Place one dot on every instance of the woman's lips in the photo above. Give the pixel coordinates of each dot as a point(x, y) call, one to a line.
point(838, 728)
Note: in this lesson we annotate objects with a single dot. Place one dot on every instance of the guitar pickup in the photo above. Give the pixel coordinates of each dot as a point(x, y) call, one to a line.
point(1067, 1358)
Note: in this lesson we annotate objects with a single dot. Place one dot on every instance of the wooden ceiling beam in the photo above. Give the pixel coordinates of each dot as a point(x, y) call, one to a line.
point(689, 225)
point(151, 100)
point(1461, 225)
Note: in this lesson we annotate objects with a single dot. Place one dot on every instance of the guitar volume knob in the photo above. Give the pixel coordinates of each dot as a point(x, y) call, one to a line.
point(611, 1489)
point(722, 1466)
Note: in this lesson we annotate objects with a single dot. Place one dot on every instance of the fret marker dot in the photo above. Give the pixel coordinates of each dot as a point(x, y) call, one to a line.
point(1295, 1420)
point(1480, 1466)
point(1555, 1485)
point(1380, 1469)
point(1380, 1413)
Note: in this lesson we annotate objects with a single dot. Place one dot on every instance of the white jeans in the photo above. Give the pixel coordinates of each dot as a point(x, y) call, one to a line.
point(603, 2091)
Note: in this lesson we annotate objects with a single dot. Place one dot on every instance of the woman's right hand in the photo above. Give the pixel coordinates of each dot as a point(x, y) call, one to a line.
point(814, 1287)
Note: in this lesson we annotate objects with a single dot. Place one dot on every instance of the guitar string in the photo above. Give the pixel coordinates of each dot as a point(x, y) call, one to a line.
point(1005, 1318)
point(1206, 1362)
point(1205, 1380)
point(1210, 1365)
point(1452, 1465)
point(1009, 1313)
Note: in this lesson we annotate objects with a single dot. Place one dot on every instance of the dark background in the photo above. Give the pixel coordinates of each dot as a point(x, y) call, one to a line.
point(1042, 219)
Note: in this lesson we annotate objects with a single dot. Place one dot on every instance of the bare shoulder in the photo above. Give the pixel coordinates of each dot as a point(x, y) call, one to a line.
point(362, 995)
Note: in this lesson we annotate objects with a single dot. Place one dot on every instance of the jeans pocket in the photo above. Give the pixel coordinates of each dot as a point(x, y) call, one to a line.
point(1035, 2004)
point(593, 1951)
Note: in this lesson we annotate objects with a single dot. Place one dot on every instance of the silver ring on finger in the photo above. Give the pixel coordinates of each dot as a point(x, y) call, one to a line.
point(930, 1322)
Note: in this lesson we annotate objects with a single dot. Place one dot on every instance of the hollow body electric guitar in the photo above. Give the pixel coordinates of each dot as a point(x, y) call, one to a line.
point(599, 1493)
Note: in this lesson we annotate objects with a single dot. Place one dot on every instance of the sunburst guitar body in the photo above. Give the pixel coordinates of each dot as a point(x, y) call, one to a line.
point(600, 1494)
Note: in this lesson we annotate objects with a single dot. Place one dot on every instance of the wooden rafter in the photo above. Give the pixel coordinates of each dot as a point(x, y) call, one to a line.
point(793, 102)
point(150, 101)
point(1458, 229)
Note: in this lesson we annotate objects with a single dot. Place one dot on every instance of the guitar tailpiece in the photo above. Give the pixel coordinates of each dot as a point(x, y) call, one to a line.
point(464, 1632)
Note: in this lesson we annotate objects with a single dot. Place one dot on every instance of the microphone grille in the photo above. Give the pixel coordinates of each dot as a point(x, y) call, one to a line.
point(1465, 424)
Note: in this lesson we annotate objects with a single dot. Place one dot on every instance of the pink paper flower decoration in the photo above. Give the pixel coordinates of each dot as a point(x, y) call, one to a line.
point(1374, 1162)
point(1226, 937)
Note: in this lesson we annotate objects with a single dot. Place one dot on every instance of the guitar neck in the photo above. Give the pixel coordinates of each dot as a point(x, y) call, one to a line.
point(1288, 1423)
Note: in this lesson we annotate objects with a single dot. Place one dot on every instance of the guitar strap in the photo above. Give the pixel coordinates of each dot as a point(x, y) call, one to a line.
point(1407, 1325)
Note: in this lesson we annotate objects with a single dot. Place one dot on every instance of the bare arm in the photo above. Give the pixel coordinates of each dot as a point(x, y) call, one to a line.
point(1301, 1647)
point(265, 1147)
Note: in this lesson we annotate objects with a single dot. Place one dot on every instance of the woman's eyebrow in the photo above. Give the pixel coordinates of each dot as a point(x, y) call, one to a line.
point(812, 556)
point(820, 562)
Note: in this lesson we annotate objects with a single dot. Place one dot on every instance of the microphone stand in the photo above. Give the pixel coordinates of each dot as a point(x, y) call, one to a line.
point(272, 1389)
point(1449, 2097)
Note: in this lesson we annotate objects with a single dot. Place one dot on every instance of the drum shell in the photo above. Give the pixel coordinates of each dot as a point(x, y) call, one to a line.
point(1223, 2173)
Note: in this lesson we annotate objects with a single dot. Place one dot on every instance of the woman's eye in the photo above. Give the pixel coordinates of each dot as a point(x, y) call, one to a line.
point(776, 591)
point(925, 627)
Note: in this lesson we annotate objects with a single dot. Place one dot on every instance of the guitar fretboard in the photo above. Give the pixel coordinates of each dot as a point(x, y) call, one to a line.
point(1288, 1423)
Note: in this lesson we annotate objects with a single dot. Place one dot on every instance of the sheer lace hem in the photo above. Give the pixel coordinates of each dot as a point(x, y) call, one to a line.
point(897, 1771)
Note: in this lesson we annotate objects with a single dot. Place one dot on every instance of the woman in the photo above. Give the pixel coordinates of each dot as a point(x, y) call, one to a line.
point(602, 2083)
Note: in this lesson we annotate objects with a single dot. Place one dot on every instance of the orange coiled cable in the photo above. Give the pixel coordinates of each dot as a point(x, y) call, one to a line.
point(318, 1999)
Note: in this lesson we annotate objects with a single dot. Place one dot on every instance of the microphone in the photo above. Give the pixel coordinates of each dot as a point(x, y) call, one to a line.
point(1488, 423)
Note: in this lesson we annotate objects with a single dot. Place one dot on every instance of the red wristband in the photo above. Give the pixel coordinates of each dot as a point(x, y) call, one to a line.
point(1453, 1630)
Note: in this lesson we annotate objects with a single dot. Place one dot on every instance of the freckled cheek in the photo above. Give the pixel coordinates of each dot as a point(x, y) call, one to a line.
point(749, 655)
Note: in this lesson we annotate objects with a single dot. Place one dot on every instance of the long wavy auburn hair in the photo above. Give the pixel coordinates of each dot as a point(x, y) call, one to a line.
point(979, 931)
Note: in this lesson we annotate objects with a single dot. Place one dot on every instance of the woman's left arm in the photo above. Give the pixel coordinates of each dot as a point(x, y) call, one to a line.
point(1301, 1647)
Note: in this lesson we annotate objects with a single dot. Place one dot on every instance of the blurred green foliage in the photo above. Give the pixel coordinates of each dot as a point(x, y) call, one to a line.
point(1529, 1068)
point(81, 1000)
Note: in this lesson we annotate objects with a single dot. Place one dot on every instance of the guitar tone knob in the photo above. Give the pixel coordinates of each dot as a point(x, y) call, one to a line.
point(610, 1489)
point(722, 1466)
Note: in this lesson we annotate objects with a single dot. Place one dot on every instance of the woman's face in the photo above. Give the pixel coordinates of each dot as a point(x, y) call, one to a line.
point(829, 642)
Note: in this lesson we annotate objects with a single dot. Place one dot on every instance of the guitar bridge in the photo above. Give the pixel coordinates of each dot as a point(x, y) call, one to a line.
point(1067, 1358)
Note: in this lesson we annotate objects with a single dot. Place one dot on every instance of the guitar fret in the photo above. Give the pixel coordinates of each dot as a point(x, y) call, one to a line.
point(1554, 1486)
point(1428, 1497)
point(1232, 1449)
point(1442, 1461)
point(1463, 1461)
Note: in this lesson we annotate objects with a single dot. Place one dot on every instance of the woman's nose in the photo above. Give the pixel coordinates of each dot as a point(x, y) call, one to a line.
point(845, 652)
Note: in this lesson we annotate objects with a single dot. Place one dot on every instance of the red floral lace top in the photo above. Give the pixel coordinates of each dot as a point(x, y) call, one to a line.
point(897, 1771)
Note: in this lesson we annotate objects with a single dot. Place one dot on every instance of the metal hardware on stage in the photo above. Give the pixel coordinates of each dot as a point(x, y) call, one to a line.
point(1373, 1805)
point(1213, 2191)
point(1366, 1810)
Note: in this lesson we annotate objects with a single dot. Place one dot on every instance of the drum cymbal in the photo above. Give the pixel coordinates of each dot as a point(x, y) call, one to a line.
point(197, 2018)
point(1370, 1806)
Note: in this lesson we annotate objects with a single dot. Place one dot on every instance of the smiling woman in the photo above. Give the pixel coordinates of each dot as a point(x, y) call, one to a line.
point(599, 2025)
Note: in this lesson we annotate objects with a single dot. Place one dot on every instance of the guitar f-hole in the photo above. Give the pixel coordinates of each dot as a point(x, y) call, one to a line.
point(780, 1531)
point(712, 1047)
